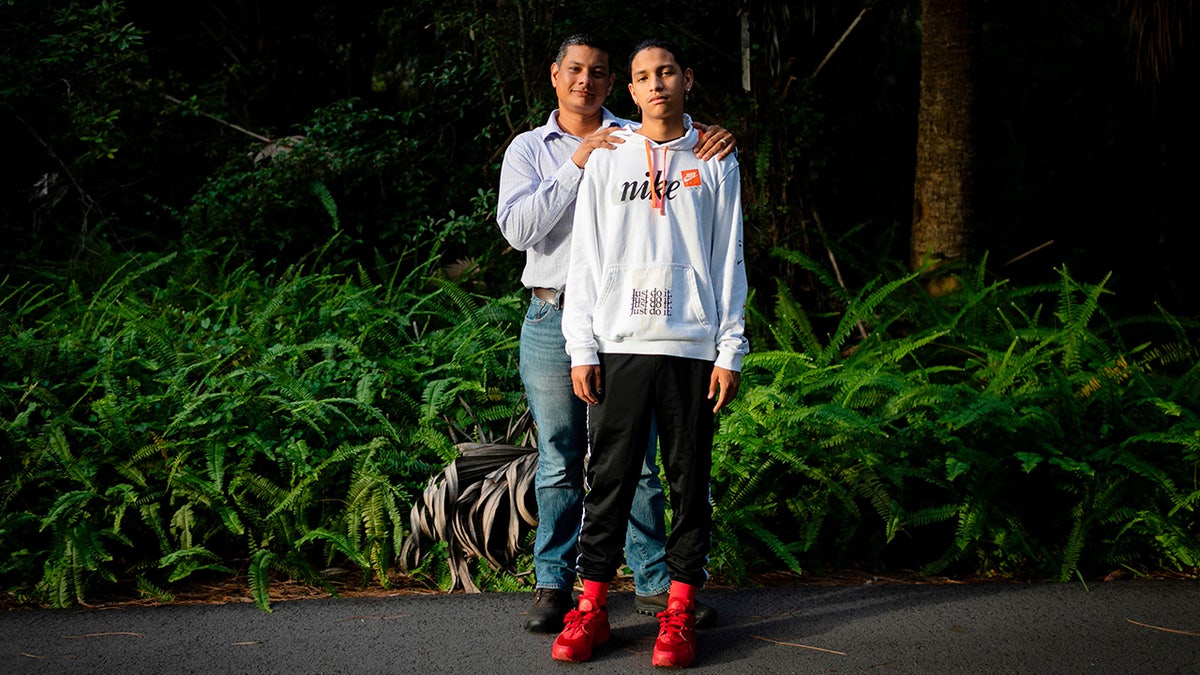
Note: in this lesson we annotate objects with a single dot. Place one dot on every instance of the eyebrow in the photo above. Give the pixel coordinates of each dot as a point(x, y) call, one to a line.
point(581, 64)
point(655, 69)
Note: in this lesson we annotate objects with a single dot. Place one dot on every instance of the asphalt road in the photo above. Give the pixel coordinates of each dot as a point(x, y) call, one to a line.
point(1116, 627)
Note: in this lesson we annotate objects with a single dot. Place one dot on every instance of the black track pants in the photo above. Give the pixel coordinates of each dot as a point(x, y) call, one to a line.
point(676, 390)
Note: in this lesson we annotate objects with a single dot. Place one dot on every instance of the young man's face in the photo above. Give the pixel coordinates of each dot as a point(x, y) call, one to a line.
point(657, 84)
point(583, 79)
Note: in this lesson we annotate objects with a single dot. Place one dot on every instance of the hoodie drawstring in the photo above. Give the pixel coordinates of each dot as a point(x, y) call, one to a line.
point(658, 202)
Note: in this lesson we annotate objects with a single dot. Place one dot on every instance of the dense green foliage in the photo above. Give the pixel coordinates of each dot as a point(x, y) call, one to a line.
point(220, 420)
point(192, 416)
point(1001, 431)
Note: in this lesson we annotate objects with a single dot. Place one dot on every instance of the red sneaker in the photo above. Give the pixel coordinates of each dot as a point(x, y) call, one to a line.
point(676, 645)
point(584, 627)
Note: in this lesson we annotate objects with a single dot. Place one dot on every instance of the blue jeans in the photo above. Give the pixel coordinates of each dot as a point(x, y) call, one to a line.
point(561, 420)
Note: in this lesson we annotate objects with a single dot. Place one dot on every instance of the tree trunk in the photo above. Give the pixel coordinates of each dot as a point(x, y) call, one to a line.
point(942, 199)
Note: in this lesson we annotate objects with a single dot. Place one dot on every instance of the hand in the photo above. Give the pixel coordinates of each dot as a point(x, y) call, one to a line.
point(715, 141)
point(600, 138)
point(725, 382)
point(586, 382)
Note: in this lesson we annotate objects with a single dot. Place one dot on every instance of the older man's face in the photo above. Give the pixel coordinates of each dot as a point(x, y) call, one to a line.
point(583, 79)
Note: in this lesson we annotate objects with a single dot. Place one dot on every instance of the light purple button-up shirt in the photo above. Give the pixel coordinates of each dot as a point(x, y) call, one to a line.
point(536, 204)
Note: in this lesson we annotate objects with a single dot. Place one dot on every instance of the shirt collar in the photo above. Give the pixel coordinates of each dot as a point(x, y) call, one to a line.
point(607, 119)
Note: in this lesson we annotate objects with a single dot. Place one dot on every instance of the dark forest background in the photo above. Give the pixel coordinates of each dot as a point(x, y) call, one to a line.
point(131, 125)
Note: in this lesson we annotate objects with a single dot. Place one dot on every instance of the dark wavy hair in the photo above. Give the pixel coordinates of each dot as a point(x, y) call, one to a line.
point(661, 43)
point(583, 40)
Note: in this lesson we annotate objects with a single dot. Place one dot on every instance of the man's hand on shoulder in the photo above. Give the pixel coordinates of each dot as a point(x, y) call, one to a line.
point(600, 138)
point(715, 141)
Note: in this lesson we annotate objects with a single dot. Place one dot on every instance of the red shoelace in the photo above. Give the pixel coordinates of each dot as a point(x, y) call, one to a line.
point(672, 624)
point(577, 622)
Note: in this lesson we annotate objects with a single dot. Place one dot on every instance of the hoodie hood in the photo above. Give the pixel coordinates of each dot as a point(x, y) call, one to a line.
point(658, 156)
point(689, 139)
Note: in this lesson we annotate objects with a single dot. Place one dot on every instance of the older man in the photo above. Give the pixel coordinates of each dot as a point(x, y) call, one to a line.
point(538, 185)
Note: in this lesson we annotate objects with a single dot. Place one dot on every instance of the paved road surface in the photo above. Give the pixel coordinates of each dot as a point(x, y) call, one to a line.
point(1037, 628)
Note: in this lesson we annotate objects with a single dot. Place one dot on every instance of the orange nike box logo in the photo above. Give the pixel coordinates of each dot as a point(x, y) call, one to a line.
point(691, 177)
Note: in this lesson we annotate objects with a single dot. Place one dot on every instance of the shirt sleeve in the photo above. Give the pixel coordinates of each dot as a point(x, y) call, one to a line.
point(728, 267)
point(583, 276)
point(529, 204)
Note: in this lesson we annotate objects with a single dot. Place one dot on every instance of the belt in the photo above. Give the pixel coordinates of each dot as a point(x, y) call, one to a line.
point(550, 295)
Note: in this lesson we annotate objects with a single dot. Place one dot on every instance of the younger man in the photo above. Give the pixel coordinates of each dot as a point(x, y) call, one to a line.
point(654, 324)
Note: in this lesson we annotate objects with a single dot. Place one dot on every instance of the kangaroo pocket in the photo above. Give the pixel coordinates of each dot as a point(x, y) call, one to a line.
point(651, 302)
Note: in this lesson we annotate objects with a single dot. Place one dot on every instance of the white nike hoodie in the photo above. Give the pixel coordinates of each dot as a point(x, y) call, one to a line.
point(657, 264)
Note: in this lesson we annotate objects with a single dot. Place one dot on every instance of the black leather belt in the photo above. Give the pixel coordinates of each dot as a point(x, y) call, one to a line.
point(550, 295)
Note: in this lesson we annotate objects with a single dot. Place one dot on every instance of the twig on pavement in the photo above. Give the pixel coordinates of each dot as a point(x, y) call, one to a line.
point(795, 644)
point(1165, 630)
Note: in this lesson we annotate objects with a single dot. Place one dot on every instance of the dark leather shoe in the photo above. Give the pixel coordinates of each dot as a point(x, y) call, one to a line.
point(550, 605)
point(651, 605)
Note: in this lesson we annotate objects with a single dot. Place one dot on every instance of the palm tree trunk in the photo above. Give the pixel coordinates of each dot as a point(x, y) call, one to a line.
point(942, 199)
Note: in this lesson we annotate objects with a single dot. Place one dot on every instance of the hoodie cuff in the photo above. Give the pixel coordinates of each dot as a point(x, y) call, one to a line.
point(729, 360)
point(584, 357)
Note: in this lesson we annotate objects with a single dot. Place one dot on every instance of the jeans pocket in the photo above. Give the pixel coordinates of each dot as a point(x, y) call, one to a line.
point(538, 311)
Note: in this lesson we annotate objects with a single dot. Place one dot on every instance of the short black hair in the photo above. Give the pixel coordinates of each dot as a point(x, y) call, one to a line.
point(661, 43)
point(583, 40)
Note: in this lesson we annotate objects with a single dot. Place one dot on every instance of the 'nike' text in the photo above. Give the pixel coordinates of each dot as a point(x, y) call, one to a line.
point(635, 190)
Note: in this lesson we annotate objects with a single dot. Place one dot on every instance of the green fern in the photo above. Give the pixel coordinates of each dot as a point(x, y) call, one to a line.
point(325, 197)
point(260, 579)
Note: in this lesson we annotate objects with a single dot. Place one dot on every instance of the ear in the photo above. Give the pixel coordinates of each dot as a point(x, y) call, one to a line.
point(554, 74)
point(631, 94)
point(688, 78)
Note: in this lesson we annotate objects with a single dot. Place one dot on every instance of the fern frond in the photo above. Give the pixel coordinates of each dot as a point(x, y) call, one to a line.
point(819, 272)
point(860, 309)
point(338, 542)
point(868, 486)
point(792, 324)
point(774, 543)
point(931, 514)
point(325, 197)
point(260, 578)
